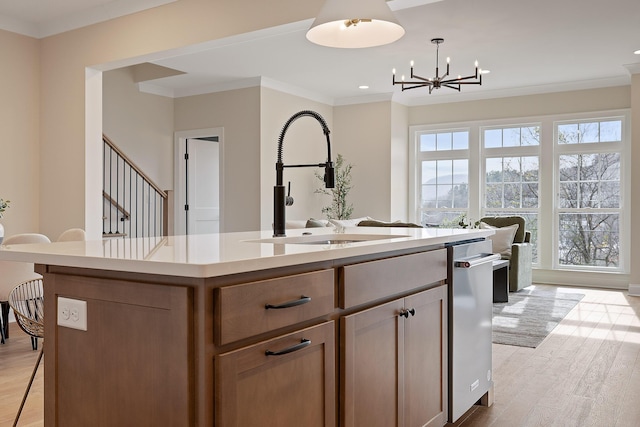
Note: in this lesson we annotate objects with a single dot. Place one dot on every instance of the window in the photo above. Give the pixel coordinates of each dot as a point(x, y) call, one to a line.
point(511, 182)
point(443, 175)
point(565, 175)
point(589, 193)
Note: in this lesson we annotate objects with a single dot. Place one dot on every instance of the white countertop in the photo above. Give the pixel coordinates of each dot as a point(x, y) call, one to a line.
point(210, 255)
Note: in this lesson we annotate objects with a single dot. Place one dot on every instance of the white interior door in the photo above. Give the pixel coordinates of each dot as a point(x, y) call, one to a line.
point(198, 187)
point(203, 186)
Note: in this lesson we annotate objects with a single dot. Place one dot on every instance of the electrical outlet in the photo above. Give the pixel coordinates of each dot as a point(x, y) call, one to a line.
point(72, 313)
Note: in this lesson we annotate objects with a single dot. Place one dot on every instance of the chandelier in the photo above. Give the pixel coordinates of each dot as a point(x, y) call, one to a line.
point(438, 81)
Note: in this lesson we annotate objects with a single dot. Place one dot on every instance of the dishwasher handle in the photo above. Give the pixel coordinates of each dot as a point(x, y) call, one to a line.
point(475, 260)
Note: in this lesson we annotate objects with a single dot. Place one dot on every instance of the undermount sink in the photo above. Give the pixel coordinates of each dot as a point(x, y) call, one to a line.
point(327, 239)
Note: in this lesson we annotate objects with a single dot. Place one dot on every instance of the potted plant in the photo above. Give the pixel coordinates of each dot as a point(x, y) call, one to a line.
point(4, 204)
point(339, 208)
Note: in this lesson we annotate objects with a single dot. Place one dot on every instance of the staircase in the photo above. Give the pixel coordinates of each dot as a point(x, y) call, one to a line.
point(133, 205)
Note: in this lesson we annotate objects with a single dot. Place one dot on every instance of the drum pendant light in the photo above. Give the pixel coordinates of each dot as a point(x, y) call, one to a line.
point(355, 24)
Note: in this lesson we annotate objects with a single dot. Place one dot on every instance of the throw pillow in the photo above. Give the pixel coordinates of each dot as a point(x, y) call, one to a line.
point(503, 239)
point(316, 223)
point(290, 224)
point(342, 223)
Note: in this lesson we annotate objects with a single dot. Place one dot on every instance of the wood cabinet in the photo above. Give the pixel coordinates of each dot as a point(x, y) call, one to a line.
point(249, 309)
point(357, 341)
point(131, 366)
point(394, 362)
point(282, 382)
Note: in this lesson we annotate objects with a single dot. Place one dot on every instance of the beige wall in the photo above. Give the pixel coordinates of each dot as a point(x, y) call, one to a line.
point(604, 99)
point(364, 132)
point(635, 182)
point(19, 132)
point(399, 163)
point(71, 165)
point(238, 113)
point(523, 106)
point(303, 143)
point(53, 178)
point(140, 124)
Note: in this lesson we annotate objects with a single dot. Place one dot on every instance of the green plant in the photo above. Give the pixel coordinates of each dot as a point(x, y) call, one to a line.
point(461, 221)
point(4, 204)
point(339, 208)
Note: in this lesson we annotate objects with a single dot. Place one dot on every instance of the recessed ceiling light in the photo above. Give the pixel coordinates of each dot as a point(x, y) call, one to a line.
point(637, 52)
point(363, 87)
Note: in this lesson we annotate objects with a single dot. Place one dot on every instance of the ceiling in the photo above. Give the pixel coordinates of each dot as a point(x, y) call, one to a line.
point(528, 47)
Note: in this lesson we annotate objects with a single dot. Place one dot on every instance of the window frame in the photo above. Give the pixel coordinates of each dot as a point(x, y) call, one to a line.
point(416, 158)
point(548, 152)
point(622, 147)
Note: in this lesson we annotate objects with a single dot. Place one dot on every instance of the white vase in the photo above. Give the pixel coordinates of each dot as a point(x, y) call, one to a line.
point(1, 233)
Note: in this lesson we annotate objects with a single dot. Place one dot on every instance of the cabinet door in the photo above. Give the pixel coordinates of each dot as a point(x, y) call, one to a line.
point(425, 357)
point(394, 358)
point(296, 388)
point(131, 367)
point(372, 365)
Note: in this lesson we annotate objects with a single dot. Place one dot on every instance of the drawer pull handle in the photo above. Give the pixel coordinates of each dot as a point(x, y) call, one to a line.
point(300, 301)
point(405, 313)
point(303, 343)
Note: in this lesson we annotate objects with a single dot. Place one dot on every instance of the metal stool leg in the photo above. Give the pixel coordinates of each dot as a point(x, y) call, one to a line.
point(24, 398)
point(4, 308)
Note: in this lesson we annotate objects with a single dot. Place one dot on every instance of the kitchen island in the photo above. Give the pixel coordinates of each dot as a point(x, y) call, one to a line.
point(236, 330)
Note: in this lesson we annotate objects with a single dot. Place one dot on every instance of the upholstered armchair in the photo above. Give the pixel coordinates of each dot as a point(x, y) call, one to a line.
point(518, 252)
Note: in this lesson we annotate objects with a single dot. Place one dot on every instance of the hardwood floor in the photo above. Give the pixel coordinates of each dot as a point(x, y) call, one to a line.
point(16, 365)
point(585, 373)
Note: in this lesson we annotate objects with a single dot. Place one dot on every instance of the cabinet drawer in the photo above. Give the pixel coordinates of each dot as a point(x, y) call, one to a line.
point(252, 308)
point(369, 281)
point(285, 381)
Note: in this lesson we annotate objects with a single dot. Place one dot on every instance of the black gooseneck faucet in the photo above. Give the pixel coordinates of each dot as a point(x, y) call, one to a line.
point(279, 190)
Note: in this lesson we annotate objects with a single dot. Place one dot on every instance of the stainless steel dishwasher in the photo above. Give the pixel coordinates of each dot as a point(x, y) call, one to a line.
point(470, 314)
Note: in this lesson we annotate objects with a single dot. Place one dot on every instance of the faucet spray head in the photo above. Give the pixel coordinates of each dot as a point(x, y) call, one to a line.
point(329, 175)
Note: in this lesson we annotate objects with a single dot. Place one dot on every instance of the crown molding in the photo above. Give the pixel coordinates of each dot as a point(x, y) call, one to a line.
point(633, 68)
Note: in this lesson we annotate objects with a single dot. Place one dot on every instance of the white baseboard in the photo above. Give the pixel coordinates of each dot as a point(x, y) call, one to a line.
point(634, 290)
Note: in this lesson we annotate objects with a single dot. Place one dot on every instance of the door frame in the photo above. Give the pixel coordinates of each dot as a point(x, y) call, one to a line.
point(180, 140)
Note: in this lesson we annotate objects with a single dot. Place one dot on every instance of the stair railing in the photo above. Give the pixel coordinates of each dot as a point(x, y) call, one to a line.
point(134, 205)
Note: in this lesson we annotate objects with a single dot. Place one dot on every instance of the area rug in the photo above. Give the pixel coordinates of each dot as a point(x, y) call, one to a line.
point(530, 315)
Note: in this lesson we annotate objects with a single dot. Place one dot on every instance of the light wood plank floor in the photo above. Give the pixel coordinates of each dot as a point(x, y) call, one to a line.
point(586, 373)
point(17, 360)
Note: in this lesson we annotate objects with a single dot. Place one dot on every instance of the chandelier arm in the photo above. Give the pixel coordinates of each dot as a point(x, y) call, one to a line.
point(424, 79)
point(452, 87)
point(415, 86)
point(459, 79)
